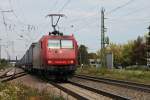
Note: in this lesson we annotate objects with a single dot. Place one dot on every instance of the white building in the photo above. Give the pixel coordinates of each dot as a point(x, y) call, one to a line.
point(95, 62)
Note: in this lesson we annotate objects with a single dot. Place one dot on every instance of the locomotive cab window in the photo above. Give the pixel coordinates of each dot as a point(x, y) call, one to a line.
point(67, 44)
point(54, 44)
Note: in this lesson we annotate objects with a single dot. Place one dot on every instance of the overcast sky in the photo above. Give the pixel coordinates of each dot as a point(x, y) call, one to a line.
point(125, 20)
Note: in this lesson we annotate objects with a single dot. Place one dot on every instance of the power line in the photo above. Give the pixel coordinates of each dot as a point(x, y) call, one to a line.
point(29, 26)
point(10, 3)
point(137, 10)
point(55, 3)
point(119, 7)
point(130, 19)
point(4, 21)
point(67, 2)
point(134, 12)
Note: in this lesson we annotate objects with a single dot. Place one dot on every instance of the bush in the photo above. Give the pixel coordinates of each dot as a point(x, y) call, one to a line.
point(21, 92)
point(4, 64)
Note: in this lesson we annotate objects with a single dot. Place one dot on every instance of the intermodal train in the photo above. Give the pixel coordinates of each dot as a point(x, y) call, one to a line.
point(53, 55)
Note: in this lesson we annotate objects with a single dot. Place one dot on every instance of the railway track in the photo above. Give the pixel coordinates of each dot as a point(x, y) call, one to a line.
point(126, 84)
point(69, 92)
point(82, 92)
point(10, 75)
point(3, 74)
point(77, 91)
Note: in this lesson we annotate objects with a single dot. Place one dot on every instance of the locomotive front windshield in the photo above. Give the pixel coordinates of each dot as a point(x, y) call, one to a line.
point(66, 44)
point(56, 44)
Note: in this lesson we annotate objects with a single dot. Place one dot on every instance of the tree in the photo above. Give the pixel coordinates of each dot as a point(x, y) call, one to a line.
point(139, 52)
point(92, 56)
point(83, 55)
point(131, 53)
point(127, 54)
point(3, 63)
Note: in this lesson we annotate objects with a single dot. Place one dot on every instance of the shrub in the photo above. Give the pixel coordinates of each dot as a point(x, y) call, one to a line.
point(18, 91)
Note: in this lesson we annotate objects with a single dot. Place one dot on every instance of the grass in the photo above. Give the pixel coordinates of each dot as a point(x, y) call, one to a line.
point(4, 64)
point(2, 67)
point(141, 76)
point(18, 91)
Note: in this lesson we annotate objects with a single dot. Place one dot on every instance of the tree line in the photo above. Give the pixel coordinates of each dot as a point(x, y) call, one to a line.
point(131, 53)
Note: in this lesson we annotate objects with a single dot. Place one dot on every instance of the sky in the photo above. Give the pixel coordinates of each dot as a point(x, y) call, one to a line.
point(125, 20)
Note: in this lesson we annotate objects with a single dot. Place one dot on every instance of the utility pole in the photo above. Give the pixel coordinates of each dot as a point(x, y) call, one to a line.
point(103, 55)
point(148, 48)
point(0, 50)
point(102, 29)
point(104, 39)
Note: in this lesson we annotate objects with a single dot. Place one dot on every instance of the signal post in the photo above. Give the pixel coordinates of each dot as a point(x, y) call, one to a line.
point(148, 48)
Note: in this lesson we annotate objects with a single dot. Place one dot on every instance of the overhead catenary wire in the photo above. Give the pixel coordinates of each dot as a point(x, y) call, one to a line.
point(11, 26)
point(130, 18)
point(29, 26)
point(121, 6)
point(55, 4)
point(65, 4)
point(11, 7)
point(139, 20)
point(135, 11)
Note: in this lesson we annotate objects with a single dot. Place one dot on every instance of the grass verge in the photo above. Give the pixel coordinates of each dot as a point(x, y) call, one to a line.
point(140, 76)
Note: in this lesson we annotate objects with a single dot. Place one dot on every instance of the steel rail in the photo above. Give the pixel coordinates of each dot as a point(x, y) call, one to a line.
point(12, 77)
point(5, 72)
point(126, 84)
point(73, 94)
point(101, 92)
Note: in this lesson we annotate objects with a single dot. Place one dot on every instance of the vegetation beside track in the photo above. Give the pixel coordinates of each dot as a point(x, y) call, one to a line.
point(4, 64)
point(141, 76)
point(9, 91)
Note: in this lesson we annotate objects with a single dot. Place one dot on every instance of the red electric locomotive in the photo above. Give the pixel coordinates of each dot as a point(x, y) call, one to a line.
point(54, 54)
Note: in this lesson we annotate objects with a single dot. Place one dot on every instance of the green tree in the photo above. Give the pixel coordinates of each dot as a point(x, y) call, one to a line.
point(3, 63)
point(139, 52)
point(83, 55)
point(127, 54)
point(92, 56)
point(131, 53)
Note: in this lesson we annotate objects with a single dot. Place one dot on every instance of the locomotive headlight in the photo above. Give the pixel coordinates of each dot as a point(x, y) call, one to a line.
point(60, 51)
point(49, 62)
point(71, 61)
